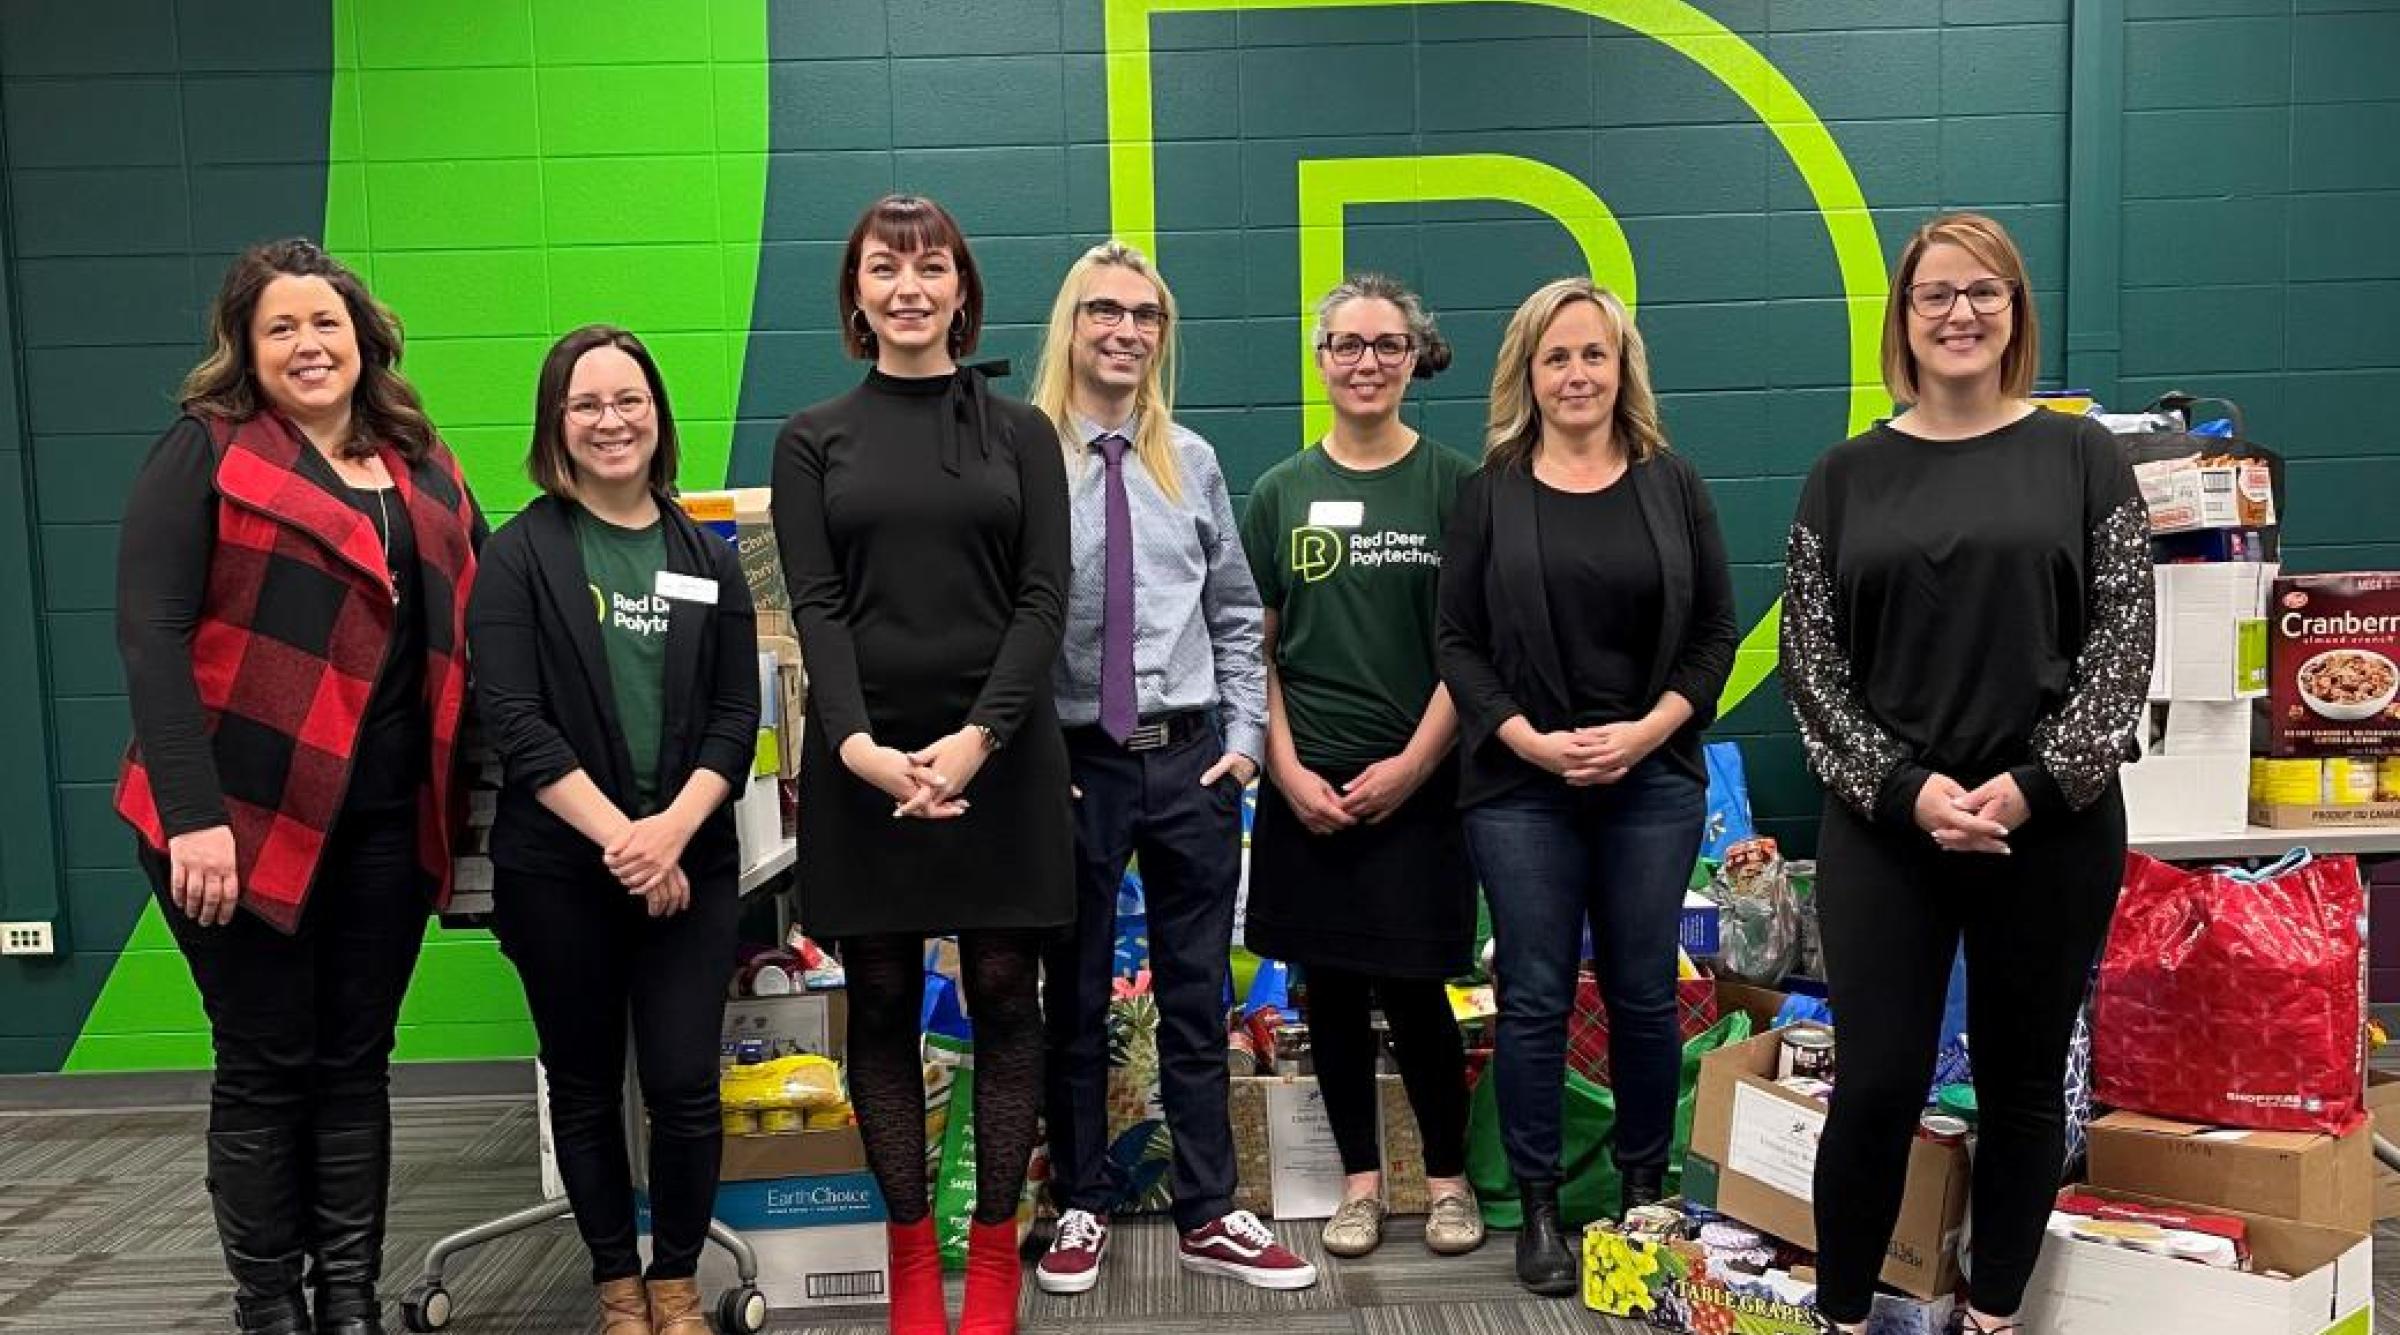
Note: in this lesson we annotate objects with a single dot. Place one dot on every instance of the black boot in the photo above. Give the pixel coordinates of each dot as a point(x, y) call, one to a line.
point(1642, 1186)
point(353, 1179)
point(255, 1186)
point(1544, 1264)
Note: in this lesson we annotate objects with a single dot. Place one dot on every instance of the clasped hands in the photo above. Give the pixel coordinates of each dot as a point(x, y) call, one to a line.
point(646, 857)
point(1971, 822)
point(929, 783)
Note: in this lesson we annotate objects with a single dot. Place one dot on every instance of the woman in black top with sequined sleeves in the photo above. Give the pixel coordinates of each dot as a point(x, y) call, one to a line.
point(1966, 641)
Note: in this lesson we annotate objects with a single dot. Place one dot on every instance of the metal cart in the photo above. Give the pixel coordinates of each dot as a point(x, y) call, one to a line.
point(741, 1310)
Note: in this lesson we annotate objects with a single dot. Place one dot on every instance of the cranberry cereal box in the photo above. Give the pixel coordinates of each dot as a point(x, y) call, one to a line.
point(2334, 665)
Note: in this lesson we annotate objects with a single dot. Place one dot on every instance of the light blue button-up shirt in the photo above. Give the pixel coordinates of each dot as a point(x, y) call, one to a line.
point(1198, 627)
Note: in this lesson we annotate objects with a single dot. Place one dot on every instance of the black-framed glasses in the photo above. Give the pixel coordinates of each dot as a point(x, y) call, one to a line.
point(1346, 349)
point(1109, 314)
point(1985, 296)
point(588, 409)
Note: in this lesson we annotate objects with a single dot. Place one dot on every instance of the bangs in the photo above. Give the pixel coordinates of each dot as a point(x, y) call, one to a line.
point(907, 225)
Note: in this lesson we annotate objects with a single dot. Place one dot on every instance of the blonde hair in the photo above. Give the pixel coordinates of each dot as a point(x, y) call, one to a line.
point(1989, 242)
point(1153, 401)
point(1513, 429)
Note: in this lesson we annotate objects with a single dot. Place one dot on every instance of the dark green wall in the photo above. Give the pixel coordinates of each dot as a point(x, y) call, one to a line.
point(2250, 226)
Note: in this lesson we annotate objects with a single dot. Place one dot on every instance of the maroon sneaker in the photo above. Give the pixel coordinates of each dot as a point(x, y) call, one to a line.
point(1072, 1265)
point(1242, 1248)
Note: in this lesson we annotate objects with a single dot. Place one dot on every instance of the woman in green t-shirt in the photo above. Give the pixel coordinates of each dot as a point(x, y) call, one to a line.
point(616, 672)
point(1358, 863)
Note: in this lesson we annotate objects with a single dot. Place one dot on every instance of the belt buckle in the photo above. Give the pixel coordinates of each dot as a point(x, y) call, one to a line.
point(1148, 737)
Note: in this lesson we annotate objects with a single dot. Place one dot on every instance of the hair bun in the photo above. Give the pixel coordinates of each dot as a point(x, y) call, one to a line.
point(1434, 357)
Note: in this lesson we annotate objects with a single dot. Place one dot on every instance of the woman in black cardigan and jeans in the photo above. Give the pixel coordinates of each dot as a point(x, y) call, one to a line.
point(1586, 629)
point(616, 667)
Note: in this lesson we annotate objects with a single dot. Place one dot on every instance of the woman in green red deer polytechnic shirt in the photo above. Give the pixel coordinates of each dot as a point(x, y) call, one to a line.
point(291, 594)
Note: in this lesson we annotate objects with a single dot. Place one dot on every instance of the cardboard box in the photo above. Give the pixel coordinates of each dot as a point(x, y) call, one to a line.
point(2277, 817)
point(817, 1022)
point(2383, 1104)
point(763, 1158)
point(741, 516)
point(1672, 1286)
point(819, 1240)
point(2185, 494)
point(1699, 929)
point(2311, 1178)
point(2334, 656)
point(2090, 1288)
point(1284, 1154)
point(2170, 796)
point(1754, 1157)
point(2212, 631)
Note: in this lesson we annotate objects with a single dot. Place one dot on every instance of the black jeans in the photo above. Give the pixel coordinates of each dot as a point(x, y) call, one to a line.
point(1425, 1042)
point(302, 1025)
point(1553, 858)
point(1150, 804)
point(592, 957)
point(1894, 908)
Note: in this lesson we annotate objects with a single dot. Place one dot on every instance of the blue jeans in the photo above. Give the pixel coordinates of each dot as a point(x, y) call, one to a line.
point(1550, 857)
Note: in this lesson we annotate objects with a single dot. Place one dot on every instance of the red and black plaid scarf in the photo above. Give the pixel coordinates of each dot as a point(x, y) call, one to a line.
point(297, 620)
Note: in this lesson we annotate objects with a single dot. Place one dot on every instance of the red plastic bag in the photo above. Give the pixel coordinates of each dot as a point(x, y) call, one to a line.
point(2236, 998)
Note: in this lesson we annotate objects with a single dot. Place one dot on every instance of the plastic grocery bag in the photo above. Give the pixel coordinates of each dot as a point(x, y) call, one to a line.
point(1759, 938)
point(1589, 1185)
point(1729, 820)
point(2236, 998)
point(954, 1185)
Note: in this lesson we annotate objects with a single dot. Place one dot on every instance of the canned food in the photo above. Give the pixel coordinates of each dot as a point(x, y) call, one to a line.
point(781, 1121)
point(2349, 782)
point(2287, 783)
point(1942, 1129)
point(740, 1122)
point(2387, 779)
point(1292, 1055)
point(1807, 1051)
point(828, 1119)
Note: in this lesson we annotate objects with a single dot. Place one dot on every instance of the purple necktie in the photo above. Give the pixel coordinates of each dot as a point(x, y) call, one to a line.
point(1118, 716)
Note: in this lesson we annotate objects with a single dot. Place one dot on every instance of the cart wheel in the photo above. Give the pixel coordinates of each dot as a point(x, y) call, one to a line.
point(742, 1311)
point(426, 1307)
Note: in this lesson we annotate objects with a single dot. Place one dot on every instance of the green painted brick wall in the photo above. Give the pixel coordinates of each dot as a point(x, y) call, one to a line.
point(504, 169)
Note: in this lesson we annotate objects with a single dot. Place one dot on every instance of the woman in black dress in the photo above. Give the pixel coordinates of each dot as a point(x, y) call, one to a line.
point(923, 525)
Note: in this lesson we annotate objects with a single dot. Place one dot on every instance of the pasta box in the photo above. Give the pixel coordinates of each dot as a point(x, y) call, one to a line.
point(2333, 664)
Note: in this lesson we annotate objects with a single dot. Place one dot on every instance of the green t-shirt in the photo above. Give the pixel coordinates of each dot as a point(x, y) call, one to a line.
point(1349, 562)
point(622, 565)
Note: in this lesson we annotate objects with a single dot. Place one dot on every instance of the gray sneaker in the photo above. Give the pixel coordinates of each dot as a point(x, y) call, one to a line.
point(1356, 1228)
point(1454, 1227)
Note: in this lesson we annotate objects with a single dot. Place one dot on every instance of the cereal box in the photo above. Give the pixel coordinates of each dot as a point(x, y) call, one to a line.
point(2334, 665)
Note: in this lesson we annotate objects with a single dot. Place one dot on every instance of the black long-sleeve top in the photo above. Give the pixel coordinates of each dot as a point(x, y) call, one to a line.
point(164, 553)
point(1502, 651)
point(1969, 607)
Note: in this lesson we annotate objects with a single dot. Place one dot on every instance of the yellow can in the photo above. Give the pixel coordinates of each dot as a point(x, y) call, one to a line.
point(829, 1119)
point(740, 1122)
point(2349, 782)
point(2287, 783)
point(782, 1121)
point(2387, 779)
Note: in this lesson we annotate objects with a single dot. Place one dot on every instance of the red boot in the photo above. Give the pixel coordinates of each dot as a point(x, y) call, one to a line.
point(994, 1272)
point(917, 1305)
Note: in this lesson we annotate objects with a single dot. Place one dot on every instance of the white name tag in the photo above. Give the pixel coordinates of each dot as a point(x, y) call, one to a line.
point(1336, 514)
point(686, 588)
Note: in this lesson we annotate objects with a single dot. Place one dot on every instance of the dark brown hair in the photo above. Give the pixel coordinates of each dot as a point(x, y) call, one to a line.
point(909, 223)
point(547, 462)
point(384, 408)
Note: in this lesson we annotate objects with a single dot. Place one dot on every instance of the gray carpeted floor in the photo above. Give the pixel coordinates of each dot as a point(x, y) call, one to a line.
point(104, 1229)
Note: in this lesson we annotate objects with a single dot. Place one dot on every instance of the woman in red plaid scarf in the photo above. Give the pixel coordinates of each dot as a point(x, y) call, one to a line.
point(291, 592)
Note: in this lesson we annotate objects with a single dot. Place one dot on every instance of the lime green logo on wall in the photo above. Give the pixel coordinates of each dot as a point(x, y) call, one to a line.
point(503, 173)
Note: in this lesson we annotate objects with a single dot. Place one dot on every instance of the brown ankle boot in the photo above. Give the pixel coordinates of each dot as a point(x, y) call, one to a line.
point(675, 1308)
point(624, 1308)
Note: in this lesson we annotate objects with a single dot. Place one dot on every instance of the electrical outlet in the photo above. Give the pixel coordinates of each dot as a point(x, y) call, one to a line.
point(26, 938)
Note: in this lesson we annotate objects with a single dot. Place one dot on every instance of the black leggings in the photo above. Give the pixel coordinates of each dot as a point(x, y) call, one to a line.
point(1425, 1041)
point(1001, 971)
point(593, 961)
point(1894, 908)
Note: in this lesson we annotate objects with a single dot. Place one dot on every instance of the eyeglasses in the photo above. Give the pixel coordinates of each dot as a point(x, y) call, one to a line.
point(1109, 314)
point(632, 406)
point(1985, 296)
point(1390, 350)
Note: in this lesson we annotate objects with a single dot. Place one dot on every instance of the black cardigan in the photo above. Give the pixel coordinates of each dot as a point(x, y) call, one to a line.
point(1498, 653)
point(542, 687)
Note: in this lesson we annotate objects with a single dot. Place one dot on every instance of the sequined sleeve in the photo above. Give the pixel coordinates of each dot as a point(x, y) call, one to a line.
point(1847, 750)
point(2082, 744)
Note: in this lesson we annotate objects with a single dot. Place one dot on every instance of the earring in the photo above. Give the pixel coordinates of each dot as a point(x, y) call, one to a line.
point(859, 326)
point(958, 332)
